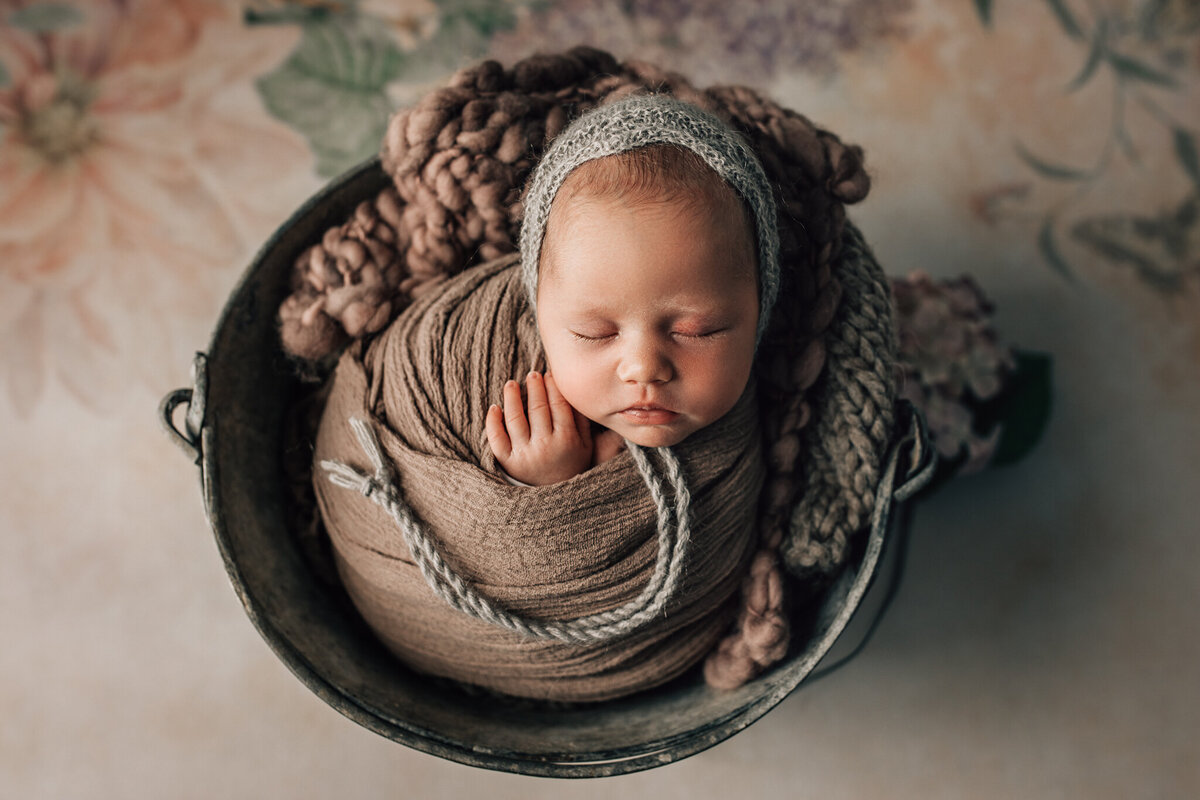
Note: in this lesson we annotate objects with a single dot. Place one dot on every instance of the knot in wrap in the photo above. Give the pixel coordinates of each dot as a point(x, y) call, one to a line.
point(574, 549)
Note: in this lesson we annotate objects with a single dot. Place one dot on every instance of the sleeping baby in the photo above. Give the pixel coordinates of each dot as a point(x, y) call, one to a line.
point(585, 538)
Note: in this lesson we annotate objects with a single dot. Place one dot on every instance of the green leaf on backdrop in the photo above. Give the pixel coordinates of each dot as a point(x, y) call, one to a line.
point(1124, 140)
point(1157, 17)
point(464, 32)
point(1096, 51)
point(1185, 151)
point(1047, 169)
point(482, 18)
point(1136, 70)
point(1160, 248)
point(1048, 246)
point(984, 9)
point(45, 17)
point(332, 89)
point(1065, 18)
point(288, 13)
point(5, 76)
point(1023, 407)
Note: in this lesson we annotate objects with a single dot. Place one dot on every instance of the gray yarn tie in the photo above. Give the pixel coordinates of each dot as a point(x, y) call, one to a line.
point(674, 537)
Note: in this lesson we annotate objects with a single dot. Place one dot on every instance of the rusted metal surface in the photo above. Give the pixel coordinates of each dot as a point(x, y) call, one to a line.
point(235, 425)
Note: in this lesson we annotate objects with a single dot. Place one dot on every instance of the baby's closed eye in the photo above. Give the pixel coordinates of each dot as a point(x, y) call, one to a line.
point(593, 337)
point(699, 333)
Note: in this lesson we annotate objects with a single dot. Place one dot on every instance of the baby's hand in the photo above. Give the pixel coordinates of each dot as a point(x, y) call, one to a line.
point(553, 444)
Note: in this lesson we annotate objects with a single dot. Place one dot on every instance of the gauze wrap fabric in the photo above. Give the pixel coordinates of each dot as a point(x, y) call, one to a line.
point(551, 552)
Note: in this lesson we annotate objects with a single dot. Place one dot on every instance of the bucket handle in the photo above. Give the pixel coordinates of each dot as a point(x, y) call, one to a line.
point(188, 439)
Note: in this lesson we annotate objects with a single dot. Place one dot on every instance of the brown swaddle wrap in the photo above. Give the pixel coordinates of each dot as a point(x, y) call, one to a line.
point(555, 552)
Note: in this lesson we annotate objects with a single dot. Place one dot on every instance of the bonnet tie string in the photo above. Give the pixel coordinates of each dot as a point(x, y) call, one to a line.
point(674, 536)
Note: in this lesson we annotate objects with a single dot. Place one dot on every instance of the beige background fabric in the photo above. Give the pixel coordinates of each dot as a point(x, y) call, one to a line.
point(1044, 641)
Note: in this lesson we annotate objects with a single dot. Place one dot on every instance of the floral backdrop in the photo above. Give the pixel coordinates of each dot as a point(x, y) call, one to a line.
point(148, 146)
point(1048, 150)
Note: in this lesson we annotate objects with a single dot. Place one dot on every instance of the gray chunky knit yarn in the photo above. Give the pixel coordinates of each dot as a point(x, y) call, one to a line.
point(639, 121)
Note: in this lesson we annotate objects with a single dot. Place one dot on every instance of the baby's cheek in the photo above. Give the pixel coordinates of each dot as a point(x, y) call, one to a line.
point(584, 402)
point(575, 384)
point(724, 381)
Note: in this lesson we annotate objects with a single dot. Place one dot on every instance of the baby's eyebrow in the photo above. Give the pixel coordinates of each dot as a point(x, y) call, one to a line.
point(710, 311)
point(591, 313)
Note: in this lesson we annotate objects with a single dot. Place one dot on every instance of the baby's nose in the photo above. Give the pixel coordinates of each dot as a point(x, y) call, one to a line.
point(645, 364)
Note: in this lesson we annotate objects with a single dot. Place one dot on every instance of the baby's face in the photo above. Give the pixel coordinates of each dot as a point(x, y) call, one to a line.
point(648, 313)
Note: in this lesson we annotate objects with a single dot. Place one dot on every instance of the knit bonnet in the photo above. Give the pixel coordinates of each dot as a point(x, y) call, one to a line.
point(640, 121)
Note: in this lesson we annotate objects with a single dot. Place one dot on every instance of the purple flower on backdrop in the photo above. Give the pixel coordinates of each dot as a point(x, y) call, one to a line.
point(711, 40)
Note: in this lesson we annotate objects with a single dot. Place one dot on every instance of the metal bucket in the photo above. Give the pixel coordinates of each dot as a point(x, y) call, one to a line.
point(233, 429)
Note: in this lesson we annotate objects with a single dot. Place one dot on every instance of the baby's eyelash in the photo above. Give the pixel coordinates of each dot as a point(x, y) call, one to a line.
point(703, 335)
point(682, 334)
point(583, 338)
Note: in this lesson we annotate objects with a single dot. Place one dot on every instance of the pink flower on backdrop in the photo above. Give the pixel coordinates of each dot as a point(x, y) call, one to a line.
point(951, 361)
point(137, 173)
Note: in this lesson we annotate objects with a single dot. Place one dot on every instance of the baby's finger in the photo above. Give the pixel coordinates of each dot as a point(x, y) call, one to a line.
point(562, 414)
point(496, 434)
point(514, 413)
point(539, 406)
point(584, 426)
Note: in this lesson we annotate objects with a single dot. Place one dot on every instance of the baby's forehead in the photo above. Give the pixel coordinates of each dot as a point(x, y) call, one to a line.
point(667, 189)
point(679, 234)
point(668, 207)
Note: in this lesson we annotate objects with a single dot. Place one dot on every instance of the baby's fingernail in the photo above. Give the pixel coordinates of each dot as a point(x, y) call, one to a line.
point(533, 375)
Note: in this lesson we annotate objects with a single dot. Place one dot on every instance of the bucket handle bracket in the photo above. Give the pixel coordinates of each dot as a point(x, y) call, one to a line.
point(187, 439)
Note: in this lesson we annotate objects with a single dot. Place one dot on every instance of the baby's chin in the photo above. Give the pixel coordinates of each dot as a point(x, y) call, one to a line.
point(653, 435)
